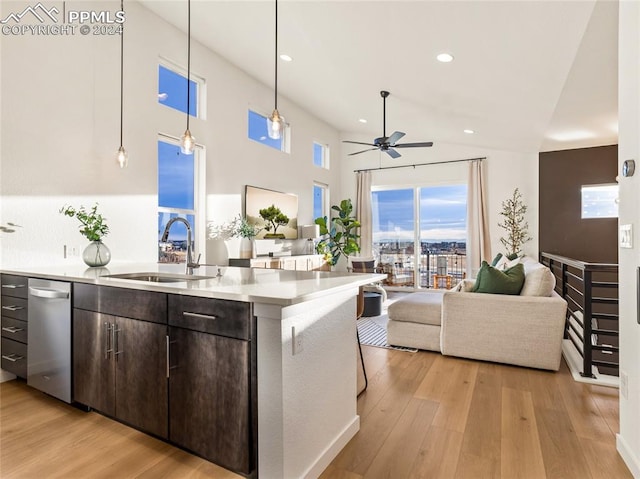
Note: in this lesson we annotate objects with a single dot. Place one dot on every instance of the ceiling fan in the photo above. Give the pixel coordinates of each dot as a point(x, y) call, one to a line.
point(384, 143)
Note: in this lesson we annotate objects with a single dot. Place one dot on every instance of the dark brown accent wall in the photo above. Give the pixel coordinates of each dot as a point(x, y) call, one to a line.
point(562, 231)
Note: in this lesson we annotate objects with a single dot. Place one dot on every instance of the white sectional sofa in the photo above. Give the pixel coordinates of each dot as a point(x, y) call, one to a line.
point(524, 330)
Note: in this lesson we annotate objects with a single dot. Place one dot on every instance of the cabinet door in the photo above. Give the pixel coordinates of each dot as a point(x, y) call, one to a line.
point(141, 375)
point(209, 396)
point(93, 371)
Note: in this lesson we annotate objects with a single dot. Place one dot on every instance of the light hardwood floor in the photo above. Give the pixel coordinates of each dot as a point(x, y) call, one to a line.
point(423, 416)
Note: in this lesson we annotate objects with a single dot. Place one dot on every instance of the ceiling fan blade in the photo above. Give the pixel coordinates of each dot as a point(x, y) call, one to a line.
point(393, 153)
point(395, 137)
point(357, 143)
point(363, 151)
point(414, 145)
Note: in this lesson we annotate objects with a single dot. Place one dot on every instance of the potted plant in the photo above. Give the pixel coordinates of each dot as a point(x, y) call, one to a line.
point(274, 218)
point(516, 227)
point(93, 226)
point(341, 237)
point(241, 228)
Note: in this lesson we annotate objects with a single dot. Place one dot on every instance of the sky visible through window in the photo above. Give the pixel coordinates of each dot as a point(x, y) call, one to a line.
point(318, 155)
point(443, 211)
point(318, 201)
point(176, 183)
point(172, 91)
point(258, 131)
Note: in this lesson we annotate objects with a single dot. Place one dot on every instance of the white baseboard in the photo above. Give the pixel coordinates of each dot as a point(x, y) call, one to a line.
point(330, 453)
point(6, 376)
point(574, 361)
point(629, 458)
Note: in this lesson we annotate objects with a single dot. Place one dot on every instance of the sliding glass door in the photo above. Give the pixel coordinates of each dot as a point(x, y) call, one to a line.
point(419, 235)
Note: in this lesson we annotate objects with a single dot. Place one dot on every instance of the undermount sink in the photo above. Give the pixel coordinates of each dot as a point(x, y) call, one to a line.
point(158, 277)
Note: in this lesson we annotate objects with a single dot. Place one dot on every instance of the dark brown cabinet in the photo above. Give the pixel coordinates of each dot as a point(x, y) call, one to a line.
point(14, 324)
point(121, 364)
point(212, 408)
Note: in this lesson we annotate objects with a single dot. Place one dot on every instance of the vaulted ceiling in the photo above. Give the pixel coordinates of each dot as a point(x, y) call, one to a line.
point(527, 75)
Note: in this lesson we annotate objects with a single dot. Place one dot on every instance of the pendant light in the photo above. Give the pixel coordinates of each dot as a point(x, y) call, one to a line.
point(188, 142)
point(121, 156)
point(276, 122)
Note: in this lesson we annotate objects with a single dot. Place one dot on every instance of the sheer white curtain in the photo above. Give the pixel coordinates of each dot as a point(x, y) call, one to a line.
point(363, 212)
point(478, 241)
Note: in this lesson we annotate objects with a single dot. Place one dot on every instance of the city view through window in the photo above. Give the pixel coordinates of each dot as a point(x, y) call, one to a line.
point(419, 235)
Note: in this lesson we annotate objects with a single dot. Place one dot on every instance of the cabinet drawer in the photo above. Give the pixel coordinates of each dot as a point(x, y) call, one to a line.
point(15, 286)
point(14, 357)
point(14, 307)
point(128, 303)
point(214, 316)
point(14, 329)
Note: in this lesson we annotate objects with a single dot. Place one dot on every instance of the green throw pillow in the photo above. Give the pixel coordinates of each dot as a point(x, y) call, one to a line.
point(496, 259)
point(492, 280)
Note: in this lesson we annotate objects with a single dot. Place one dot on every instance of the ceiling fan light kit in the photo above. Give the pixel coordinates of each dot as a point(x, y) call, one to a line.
point(384, 143)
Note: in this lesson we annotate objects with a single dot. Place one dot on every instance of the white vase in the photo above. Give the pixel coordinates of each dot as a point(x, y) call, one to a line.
point(247, 248)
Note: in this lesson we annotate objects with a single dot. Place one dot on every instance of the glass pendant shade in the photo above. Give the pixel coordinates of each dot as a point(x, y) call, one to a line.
point(187, 143)
point(122, 157)
point(275, 125)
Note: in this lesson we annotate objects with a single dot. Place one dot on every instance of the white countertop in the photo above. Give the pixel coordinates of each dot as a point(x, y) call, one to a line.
point(257, 285)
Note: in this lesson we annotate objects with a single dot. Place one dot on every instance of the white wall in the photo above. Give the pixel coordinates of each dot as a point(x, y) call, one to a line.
point(629, 259)
point(60, 130)
point(504, 170)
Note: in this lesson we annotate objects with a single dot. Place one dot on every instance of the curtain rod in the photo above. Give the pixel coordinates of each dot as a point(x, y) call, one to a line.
point(419, 164)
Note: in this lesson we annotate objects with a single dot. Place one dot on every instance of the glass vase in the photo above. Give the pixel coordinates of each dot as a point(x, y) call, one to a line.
point(96, 254)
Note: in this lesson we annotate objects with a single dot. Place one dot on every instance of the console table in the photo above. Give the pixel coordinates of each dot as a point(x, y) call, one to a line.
point(304, 262)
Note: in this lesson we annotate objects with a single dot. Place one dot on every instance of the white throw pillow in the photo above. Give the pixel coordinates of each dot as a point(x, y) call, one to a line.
point(538, 281)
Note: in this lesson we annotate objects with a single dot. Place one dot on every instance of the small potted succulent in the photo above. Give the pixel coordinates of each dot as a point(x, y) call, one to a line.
point(93, 226)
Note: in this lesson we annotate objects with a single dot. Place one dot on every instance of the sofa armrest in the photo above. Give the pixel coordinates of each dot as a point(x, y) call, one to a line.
point(520, 330)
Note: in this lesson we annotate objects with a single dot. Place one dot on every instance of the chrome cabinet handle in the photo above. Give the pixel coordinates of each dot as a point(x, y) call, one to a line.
point(13, 307)
point(13, 286)
point(12, 357)
point(116, 341)
point(12, 329)
point(167, 356)
point(198, 315)
point(108, 344)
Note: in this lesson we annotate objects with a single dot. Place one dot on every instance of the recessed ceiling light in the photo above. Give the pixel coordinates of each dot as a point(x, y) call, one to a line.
point(469, 132)
point(285, 57)
point(445, 57)
point(362, 120)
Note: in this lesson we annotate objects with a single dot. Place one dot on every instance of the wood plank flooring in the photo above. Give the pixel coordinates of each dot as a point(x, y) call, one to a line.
point(423, 416)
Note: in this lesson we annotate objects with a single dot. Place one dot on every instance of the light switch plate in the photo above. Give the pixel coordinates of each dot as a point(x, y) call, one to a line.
point(626, 236)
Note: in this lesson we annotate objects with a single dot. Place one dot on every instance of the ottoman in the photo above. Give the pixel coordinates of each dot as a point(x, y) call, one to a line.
point(415, 321)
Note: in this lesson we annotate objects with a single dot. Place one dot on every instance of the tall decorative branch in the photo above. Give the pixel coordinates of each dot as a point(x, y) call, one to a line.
point(514, 223)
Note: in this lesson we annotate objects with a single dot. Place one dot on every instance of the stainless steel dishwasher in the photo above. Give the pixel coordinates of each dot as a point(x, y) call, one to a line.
point(49, 340)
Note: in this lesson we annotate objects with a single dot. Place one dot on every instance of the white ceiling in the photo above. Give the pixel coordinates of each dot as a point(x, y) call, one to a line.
point(527, 76)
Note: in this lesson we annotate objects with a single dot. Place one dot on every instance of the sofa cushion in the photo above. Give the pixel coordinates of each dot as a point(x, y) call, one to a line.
point(538, 280)
point(424, 308)
point(492, 280)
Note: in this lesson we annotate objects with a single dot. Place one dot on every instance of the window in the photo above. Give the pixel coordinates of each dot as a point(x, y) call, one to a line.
point(320, 200)
point(420, 233)
point(258, 132)
point(172, 89)
point(177, 197)
point(600, 201)
point(320, 155)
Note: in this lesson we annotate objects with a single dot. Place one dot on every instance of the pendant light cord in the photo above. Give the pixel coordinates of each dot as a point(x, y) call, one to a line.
point(121, 71)
point(276, 60)
point(188, 59)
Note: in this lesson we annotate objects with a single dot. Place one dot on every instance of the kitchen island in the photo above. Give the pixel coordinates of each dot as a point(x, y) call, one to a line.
point(302, 354)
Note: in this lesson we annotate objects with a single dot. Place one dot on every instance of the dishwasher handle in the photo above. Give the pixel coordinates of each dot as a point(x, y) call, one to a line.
point(48, 293)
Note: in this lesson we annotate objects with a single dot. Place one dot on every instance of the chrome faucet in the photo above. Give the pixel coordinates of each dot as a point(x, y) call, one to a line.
point(165, 237)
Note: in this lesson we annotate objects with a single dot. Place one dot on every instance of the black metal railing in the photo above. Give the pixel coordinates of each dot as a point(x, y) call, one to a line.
point(591, 292)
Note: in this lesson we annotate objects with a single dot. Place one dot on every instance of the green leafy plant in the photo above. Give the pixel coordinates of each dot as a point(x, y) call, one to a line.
point(93, 225)
point(274, 218)
point(341, 233)
point(241, 228)
point(516, 227)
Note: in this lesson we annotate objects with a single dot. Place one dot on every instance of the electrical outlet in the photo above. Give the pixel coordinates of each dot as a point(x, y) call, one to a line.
point(624, 384)
point(296, 341)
